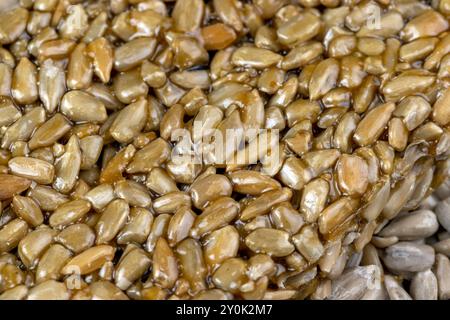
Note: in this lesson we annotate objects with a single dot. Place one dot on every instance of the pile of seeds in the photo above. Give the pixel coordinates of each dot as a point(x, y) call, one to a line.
point(413, 250)
point(97, 203)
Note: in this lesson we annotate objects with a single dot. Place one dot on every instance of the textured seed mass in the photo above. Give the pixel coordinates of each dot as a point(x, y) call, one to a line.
point(94, 205)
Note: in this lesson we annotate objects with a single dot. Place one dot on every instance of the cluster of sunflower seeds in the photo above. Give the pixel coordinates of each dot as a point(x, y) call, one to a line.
point(408, 258)
point(95, 203)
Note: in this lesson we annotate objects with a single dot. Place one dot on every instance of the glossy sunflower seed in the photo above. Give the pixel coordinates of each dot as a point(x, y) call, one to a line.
point(37, 170)
point(165, 266)
point(34, 244)
point(27, 209)
point(24, 87)
point(89, 260)
point(76, 237)
point(80, 106)
point(23, 128)
point(131, 268)
point(270, 241)
point(69, 212)
point(51, 263)
point(49, 290)
point(11, 185)
point(111, 221)
point(373, 124)
point(138, 227)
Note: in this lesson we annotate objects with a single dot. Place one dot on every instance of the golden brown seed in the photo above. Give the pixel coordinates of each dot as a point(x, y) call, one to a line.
point(352, 174)
point(133, 53)
point(169, 94)
point(324, 78)
point(23, 128)
point(160, 182)
point(308, 243)
point(79, 71)
point(299, 28)
point(11, 234)
point(112, 172)
point(252, 182)
point(34, 244)
point(11, 185)
point(34, 169)
point(52, 82)
point(153, 74)
point(171, 202)
point(172, 120)
point(165, 266)
point(192, 264)
point(417, 49)
point(111, 221)
point(100, 196)
point(373, 124)
point(130, 121)
point(49, 290)
point(91, 148)
point(188, 52)
point(301, 55)
point(370, 46)
point(208, 189)
point(217, 36)
point(69, 212)
point(397, 134)
point(51, 263)
point(265, 202)
point(129, 86)
point(429, 23)
point(76, 237)
point(255, 57)
point(51, 131)
point(27, 209)
point(55, 49)
point(188, 15)
point(102, 56)
point(440, 114)
point(80, 106)
point(24, 82)
point(295, 173)
point(67, 166)
point(228, 13)
point(130, 268)
point(132, 192)
point(149, 157)
point(220, 245)
point(138, 228)
point(413, 110)
point(6, 75)
point(285, 217)
point(314, 197)
point(336, 214)
point(406, 84)
point(230, 276)
point(218, 214)
point(89, 260)
point(47, 198)
point(13, 23)
point(9, 113)
point(270, 241)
